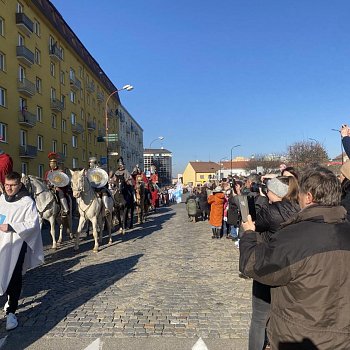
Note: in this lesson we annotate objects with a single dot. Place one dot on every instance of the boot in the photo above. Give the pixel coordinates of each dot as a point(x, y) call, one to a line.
point(64, 205)
point(217, 233)
point(214, 233)
point(105, 203)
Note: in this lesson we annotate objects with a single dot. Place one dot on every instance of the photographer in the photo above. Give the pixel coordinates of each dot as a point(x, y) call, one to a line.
point(345, 134)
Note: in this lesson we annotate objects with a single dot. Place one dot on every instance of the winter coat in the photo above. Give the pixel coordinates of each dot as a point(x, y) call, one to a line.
point(216, 202)
point(307, 262)
point(346, 145)
point(345, 198)
point(203, 202)
point(192, 205)
point(233, 215)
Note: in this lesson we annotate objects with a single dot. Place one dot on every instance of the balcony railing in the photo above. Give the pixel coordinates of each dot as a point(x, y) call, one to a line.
point(57, 105)
point(77, 128)
point(25, 55)
point(90, 87)
point(100, 96)
point(26, 87)
point(24, 23)
point(28, 151)
point(75, 83)
point(26, 118)
point(55, 53)
point(91, 126)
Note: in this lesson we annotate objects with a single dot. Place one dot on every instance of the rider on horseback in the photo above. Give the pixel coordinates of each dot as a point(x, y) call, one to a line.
point(61, 192)
point(103, 192)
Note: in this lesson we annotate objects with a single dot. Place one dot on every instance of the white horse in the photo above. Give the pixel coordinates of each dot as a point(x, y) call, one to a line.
point(90, 208)
point(48, 207)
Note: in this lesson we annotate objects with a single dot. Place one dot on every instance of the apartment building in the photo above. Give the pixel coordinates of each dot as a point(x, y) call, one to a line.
point(54, 96)
point(158, 160)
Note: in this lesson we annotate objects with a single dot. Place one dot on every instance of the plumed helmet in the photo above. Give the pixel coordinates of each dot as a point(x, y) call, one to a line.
point(53, 156)
point(121, 161)
point(92, 160)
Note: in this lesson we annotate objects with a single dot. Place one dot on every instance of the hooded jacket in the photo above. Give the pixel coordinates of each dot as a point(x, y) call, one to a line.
point(216, 202)
point(308, 263)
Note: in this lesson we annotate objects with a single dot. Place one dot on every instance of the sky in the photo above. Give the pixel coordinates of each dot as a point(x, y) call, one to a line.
point(209, 75)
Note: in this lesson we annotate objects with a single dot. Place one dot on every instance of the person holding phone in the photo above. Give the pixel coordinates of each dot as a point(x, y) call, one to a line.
point(345, 134)
point(282, 203)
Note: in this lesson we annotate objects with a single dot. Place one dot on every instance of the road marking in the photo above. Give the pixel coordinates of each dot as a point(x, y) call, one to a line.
point(95, 345)
point(200, 345)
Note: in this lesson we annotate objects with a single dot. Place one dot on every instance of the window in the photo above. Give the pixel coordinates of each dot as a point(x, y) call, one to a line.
point(89, 137)
point(53, 93)
point(37, 56)
point(2, 97)
point(81, 74)
point(64, 149)
point(2, 61)
point(64, 125)
point(39, 113)
point(73, 97)
point(54, 146)
point(19, 7)
point(54, 121)
point(40, 143)
point(52, 43)
point(24, 168)
point(23, 138)
point(38, 85)
point(3, 132)
point(41, 171)
point(63, 100)
point(75, 163)
point(82, 114)
point(71, 74)
point(62, 77)
point(36, 26)
point(22, 104)
point(20, 40)
point(73, 118)
point(74, 141)
point(84, 155)
point(83, 136)
point(21, 73)
point(52, 69)
point(88, 99)
point(2, 26)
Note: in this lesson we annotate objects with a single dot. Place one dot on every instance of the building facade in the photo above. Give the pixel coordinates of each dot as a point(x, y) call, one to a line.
point(158, 160)
point(198, 173)
point(53, 93)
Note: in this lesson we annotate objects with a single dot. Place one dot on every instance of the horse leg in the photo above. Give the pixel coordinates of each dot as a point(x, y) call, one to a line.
point(82, 221)
point(125, 219)
point(109, 220)
point(132, 208)
point(95, 233)
point(52, 231)
point(101, 223)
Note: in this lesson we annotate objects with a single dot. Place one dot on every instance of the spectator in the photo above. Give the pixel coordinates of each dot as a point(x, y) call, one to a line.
point(307, 263)
point(290, 171)
point(345, 187)
point(345, 134)
point(203, 203)
point(20, 242)
point(192, 207)
point(216, 201)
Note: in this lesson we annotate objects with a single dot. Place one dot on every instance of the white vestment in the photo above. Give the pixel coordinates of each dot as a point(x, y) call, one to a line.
point(23, 217)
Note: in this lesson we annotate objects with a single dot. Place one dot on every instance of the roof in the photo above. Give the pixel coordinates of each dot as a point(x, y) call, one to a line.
point(205, 167)
point(241, 164)
point(156, 150)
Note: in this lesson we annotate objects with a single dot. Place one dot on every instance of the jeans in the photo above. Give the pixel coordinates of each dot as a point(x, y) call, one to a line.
point(258, 323)
point(229, 230)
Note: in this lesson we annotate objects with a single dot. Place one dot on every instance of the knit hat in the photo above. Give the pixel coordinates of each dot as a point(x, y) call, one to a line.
point(217, 189)
point(277, 187)
point(345, 169)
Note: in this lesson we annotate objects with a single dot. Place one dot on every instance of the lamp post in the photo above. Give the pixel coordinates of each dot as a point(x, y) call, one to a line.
point(127, 87)
point(158, 138)
point(341, 145)
point(231, 156)
point(224, 158)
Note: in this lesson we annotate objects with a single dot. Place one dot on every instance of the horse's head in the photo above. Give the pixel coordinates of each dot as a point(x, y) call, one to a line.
point(78, 182)
point(27, 183)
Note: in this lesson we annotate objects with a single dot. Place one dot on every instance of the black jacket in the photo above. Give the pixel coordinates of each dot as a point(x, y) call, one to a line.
point(233, 214)
point(345, 197)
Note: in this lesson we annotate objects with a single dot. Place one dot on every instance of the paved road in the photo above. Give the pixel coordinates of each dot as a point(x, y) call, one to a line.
point(161, 286)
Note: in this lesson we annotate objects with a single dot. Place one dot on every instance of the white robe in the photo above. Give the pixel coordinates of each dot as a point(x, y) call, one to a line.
point(23, 217)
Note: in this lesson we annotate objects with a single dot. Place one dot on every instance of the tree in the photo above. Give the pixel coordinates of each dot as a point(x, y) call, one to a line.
point(270, 163)
point(304, 153)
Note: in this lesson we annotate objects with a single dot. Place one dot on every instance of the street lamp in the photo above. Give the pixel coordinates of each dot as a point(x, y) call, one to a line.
point(231, 157)
point(158, 138)
point(341, 145)
point(224, 158)
point(127, 87)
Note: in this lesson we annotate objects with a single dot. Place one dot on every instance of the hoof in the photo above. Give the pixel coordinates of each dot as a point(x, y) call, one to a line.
point(95, 250)
point(76, 248)
point(54, 247)
point(123, 232)
point(110, 242)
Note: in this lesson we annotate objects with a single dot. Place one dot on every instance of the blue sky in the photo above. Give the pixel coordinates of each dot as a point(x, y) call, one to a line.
point(209, 75)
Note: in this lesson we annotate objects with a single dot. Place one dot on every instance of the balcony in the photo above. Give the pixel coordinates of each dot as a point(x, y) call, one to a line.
point(77, 128)
point(57, 105)
point(26, 87)
point(91, 126)
point(55, 53)
point(90, 87)
point(26, 118)
point(24, 23)
point(75, 83)
point(100, 96)
point(24, 55)
point(28, 151)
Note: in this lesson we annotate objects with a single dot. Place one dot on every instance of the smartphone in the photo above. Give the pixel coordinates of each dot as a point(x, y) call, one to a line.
point(247, 207)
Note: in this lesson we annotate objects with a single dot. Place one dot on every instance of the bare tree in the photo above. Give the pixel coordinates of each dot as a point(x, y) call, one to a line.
point(304, 153)
point(267, 162)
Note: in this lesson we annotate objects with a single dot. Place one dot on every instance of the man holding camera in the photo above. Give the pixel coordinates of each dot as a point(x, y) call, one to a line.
point(307, 263)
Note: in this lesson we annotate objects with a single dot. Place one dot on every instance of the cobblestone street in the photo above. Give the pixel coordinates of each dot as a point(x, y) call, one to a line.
point(166, 279)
